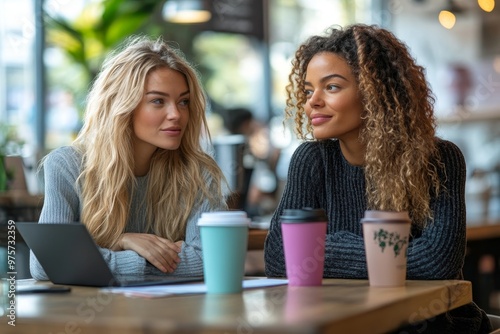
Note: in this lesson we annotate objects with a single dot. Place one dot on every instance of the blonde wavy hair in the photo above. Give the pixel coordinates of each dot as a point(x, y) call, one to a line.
point(177, 178)
point(398, 131)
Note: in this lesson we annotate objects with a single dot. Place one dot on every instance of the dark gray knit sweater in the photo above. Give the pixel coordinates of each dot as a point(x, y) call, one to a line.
point(320, 177)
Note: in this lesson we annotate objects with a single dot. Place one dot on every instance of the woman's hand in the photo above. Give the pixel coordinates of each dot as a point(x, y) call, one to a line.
point(160, 252)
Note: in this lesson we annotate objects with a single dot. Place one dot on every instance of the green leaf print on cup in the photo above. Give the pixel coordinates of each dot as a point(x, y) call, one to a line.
point(394, 240)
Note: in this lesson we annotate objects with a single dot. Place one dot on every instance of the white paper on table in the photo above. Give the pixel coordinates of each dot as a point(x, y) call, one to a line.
point(184, 289)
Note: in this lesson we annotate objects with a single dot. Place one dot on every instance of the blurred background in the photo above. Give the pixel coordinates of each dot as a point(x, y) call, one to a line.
point(50, 50)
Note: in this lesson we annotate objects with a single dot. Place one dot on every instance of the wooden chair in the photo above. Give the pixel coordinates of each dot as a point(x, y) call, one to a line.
point(15, 165)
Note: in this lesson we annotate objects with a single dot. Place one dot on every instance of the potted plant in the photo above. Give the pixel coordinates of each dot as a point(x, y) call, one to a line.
point(99, 28)
point(10, 144)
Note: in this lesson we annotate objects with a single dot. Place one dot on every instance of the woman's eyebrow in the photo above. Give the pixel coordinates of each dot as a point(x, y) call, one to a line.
point(326, 78)
point(156, 92)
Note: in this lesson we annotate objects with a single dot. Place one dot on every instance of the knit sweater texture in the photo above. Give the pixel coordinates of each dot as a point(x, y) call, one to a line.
point(320, 177)
point(63, 204)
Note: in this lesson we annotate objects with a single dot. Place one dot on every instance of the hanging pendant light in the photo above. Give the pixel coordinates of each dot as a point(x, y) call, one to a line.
point(186, 11)
point(447, 17)
point(486, 5)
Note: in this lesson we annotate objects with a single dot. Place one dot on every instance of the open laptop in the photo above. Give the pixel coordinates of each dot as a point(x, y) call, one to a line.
point(69, 255)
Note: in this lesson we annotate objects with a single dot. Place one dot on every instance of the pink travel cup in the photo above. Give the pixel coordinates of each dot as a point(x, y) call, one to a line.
point(304, 233)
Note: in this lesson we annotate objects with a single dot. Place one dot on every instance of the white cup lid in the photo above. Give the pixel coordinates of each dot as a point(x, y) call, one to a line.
point(224, 218)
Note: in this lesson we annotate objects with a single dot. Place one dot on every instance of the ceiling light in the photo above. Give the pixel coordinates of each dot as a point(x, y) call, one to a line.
point(447, 19)
point(486, 5)
point(186, 11)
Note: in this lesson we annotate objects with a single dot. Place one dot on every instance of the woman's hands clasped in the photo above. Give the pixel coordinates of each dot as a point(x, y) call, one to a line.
point(160, 252)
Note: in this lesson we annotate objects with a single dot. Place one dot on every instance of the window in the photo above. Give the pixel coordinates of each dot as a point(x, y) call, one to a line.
point(17, 72)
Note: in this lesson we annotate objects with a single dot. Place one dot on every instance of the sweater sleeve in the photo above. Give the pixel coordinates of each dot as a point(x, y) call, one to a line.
point(62, 205)
point(191, 255)
point(300, 191)
point(344, 250)
point(439, 252)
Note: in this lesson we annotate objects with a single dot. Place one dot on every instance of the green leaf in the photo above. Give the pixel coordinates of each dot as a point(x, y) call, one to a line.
point(123, 27)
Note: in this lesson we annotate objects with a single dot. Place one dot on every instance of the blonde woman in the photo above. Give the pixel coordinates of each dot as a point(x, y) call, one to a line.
point(137, 175)
point(365, 112)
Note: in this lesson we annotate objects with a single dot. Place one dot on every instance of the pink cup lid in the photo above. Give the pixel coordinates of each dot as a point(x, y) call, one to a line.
point(303, 215)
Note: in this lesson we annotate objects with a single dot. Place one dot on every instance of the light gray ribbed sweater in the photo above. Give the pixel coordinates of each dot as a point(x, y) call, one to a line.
point(62, 204)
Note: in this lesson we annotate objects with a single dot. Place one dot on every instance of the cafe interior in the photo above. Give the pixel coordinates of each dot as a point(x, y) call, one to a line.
point(50, 50)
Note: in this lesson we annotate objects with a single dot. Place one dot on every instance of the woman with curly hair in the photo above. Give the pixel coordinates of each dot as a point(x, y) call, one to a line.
point(364, 110)
point(138, 174)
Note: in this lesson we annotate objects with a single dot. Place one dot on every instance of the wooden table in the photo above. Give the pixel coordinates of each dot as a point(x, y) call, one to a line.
point(340, 306)
point(19, 206)
point(256, 239)
point(483, 231)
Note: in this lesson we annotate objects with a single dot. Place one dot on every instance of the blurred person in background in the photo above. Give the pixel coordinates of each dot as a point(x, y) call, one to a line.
point(259, 162)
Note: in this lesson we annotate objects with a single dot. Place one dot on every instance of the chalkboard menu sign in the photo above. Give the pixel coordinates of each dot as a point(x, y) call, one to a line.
point(237, 16)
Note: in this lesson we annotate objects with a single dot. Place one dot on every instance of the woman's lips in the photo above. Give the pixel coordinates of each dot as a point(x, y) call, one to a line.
point(318, 120)
point(172, 131)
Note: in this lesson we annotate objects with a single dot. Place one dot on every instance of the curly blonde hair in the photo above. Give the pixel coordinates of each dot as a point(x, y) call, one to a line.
point(398, 123)
point(177, 178)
